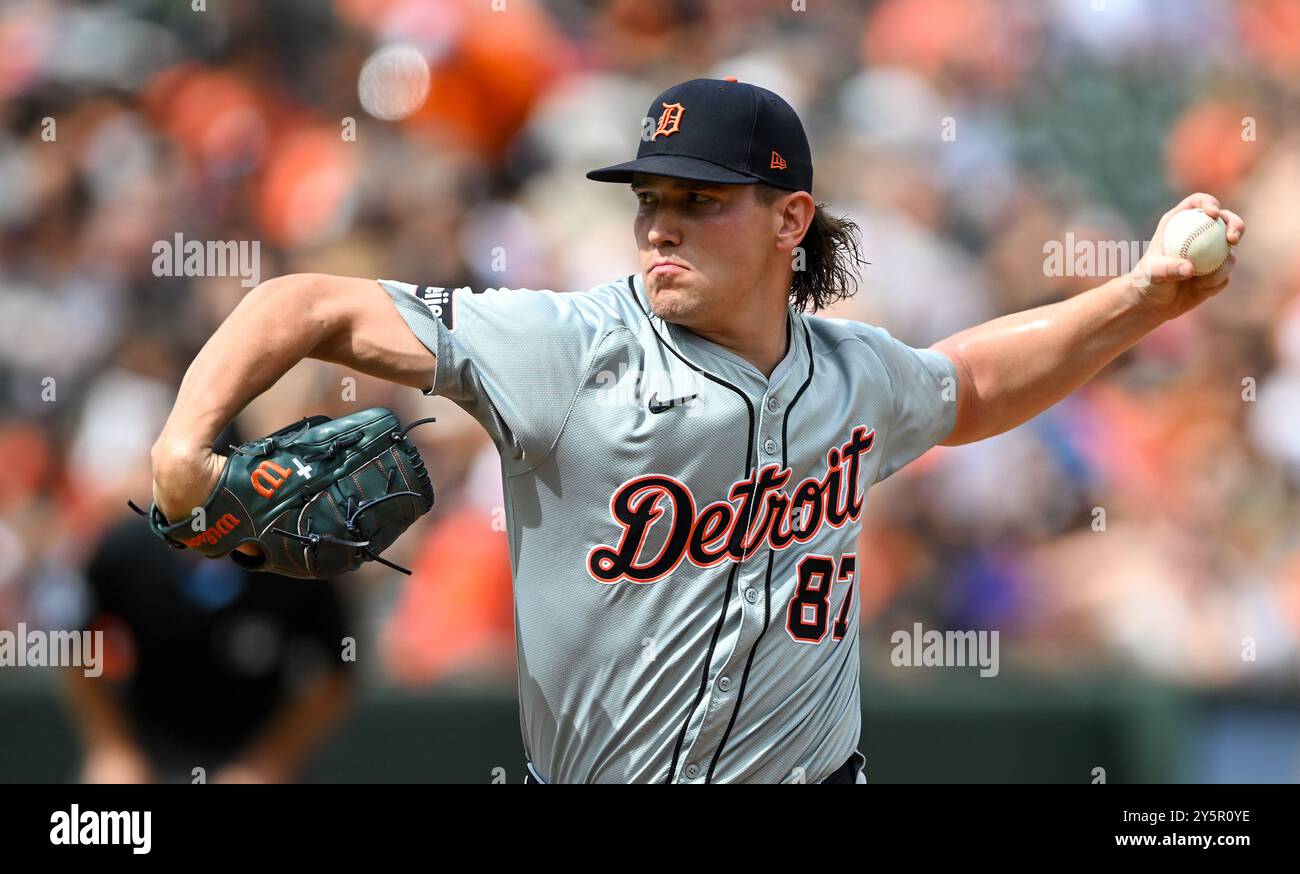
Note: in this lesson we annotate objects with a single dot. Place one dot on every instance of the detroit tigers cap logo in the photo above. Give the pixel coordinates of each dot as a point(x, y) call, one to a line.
point(670, 120)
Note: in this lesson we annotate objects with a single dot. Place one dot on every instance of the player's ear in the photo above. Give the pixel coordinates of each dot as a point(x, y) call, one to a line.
point(795, 215)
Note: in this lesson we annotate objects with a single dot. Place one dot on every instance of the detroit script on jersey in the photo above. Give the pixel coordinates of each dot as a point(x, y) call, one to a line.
point(718, 531)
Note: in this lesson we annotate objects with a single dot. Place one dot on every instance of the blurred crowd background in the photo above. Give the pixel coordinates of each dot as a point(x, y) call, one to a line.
point(1146, 525)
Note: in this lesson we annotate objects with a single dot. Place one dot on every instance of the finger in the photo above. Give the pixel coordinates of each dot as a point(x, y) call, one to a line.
point(1201, 200)
point(1164, 267)
point(1219, 275)
point(1236, 225)
point(1201, 286)
point(1212, 290)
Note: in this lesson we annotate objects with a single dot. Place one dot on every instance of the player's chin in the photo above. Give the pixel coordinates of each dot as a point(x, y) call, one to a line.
point(671, 302)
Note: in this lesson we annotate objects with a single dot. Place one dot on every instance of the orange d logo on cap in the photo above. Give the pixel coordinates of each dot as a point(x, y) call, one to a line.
point(670, 120)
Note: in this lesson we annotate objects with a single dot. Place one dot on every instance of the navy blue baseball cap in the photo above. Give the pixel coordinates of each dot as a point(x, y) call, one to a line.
point(721, 130)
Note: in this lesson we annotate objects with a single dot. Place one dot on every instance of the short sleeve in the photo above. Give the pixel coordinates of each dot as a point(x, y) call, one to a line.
point(923, 383)
point(515, 359)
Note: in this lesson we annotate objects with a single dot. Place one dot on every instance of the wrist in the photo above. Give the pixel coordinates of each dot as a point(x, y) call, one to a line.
point(184, 474)
point(173, 454)
point(1132, 293)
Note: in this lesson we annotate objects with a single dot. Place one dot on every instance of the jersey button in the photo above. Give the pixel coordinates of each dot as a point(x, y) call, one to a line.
point(769, 446)
point(724, 683)
point(773, 405)
point(751, 595)
point(692, 771)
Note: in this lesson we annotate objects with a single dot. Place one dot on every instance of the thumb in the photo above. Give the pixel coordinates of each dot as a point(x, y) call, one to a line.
point(1165, 268)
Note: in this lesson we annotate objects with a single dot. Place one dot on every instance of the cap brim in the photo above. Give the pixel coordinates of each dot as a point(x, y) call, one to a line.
point(679, 166)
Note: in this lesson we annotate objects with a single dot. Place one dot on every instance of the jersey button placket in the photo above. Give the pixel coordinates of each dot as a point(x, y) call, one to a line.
point(752, 574)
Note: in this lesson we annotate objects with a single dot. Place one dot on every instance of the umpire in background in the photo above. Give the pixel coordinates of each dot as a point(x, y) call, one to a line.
point(206, 665)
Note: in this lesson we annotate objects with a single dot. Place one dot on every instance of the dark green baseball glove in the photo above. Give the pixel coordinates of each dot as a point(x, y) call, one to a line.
point(319, 497)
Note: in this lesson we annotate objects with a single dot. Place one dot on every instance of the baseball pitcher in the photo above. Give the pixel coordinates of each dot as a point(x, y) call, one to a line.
point(686, 451)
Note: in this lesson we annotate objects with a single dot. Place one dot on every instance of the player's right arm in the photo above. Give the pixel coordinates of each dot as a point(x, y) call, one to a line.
point(279, 323)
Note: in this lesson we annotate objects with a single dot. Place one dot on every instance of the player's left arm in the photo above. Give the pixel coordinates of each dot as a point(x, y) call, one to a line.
point(1012, 368)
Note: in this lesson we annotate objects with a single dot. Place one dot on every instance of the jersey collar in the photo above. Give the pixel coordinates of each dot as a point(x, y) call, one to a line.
point(708, 355)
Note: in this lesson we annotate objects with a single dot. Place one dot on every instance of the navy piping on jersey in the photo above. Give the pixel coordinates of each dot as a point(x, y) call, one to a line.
point(731, 577)
point(767, 598)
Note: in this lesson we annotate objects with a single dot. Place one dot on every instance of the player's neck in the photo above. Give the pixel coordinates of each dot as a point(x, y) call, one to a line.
point(760, 338)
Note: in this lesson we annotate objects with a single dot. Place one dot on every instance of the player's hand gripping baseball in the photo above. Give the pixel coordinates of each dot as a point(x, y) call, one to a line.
point(1166, 281)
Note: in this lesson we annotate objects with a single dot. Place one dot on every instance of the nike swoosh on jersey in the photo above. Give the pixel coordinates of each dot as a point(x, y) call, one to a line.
point(657, 406)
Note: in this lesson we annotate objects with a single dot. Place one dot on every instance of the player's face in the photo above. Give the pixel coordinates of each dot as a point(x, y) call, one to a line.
point(703, 247)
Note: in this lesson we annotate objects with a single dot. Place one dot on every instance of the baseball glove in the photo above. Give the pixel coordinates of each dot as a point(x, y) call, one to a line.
point(318, 497)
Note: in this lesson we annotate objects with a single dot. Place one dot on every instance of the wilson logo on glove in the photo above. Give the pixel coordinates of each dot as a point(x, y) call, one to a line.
point(220, 529)
point(369, 485)
point(267, 477)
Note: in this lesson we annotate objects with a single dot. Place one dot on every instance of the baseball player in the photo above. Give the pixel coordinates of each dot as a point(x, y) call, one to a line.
point(686, 451)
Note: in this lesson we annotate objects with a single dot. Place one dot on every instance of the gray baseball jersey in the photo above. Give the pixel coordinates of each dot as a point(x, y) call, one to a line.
point(683, 530)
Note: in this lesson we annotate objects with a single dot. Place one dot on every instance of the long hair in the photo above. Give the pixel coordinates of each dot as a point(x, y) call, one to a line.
point(828, 257)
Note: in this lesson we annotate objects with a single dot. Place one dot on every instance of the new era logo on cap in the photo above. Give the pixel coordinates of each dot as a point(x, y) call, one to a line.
point(721, 130)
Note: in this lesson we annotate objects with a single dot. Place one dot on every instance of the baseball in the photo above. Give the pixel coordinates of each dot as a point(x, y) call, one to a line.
point(1193, 235)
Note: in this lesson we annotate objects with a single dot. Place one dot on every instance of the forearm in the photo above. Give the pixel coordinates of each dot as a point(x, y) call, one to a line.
point(1012, 368)
point(112, 752)
point(297, 731)
point(275, 326)
point(339, 319)
point(344, 320)
point(98, 717)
